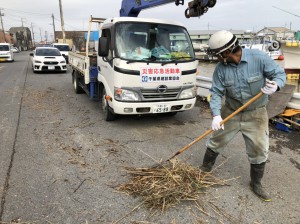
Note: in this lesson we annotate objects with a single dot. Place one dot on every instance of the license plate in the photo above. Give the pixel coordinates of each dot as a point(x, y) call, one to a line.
point(2, 59)
point(161, 108)
point(51, 67)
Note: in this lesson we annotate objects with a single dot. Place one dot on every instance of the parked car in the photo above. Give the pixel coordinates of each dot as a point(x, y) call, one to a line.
point(64, 49)
point(6, 53)
point(15, 50)
point(48, 59)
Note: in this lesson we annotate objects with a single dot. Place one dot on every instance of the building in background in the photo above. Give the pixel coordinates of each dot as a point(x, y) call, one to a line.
point(75, 39)
point(202, 36)
point(22, 38)
point(8, 37)
point(200, 40)
point(276, 33)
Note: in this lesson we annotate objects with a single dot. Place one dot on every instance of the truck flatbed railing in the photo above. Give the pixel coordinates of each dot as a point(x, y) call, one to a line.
point(97, 20)
point(92, 20)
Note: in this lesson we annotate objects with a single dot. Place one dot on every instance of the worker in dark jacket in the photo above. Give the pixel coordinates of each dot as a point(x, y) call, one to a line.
point(239, 76)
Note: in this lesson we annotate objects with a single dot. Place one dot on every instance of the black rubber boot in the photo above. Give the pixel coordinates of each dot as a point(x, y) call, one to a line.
point(256, 173)
point(209, 160)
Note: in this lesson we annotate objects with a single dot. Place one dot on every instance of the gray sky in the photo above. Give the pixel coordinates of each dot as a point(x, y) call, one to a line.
point(227, 14)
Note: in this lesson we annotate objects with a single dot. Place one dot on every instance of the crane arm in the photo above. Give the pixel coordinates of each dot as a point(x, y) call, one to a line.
point(196, 8)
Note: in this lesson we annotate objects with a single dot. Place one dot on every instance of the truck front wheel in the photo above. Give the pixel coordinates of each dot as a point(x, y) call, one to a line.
point(107, 111)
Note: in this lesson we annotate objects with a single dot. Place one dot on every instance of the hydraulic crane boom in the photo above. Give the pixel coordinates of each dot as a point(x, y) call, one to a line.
point(196, 8)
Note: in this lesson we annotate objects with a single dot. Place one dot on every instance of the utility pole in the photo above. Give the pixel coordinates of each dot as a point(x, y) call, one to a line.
point(41, 35)
point(62, 22)
point(32, 32)
point(2, 25)
point(46, 36)
point(33, 42)
point(54, 37)
point(22, 22)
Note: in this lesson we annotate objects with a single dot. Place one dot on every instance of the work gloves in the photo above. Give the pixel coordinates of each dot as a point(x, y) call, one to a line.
point(216, 123)
point(270, 87)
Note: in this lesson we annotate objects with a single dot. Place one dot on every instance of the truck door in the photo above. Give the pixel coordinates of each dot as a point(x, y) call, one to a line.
point(106, 65)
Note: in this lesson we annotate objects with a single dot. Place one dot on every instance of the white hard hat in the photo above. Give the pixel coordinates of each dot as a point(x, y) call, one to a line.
point(221, 41)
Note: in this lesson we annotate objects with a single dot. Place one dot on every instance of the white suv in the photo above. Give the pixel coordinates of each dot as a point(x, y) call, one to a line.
point(48, 59)
point(64, 49)
point(6, 53)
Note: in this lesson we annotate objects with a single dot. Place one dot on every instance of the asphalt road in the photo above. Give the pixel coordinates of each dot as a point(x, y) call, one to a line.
point(60, 160)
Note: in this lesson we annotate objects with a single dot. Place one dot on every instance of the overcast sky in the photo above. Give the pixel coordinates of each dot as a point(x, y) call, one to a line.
point(227, 14)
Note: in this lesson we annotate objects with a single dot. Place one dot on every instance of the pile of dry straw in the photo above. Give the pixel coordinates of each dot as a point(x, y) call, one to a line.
point(162, 187)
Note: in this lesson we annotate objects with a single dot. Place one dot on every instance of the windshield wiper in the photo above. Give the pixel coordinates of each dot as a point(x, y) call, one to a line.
point(169, 62)
point(174, 60)
point(148, 60)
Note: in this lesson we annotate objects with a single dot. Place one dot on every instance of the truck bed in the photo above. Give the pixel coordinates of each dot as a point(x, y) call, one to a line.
point(78, 60)
point(82, 63)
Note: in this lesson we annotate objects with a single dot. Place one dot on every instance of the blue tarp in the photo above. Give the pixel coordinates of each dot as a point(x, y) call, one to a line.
point(94, 35)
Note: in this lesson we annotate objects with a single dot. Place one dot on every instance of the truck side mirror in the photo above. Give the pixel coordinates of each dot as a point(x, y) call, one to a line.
point(103, 47)
point(31, 54)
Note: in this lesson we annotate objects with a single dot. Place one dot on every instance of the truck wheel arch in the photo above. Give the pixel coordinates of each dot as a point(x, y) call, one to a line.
point(106, 109)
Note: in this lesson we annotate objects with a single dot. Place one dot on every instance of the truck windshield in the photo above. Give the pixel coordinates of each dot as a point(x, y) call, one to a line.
point(156, 42)
point(62, 47)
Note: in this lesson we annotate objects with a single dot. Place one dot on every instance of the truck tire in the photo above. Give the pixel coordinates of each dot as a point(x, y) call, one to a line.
point(75, 82)
point(108, 114)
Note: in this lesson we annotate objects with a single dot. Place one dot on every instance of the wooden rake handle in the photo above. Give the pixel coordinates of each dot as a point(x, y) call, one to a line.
point(222, 122)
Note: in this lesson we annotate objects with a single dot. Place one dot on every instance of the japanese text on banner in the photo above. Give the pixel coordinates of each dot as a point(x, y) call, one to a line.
point(164, 74)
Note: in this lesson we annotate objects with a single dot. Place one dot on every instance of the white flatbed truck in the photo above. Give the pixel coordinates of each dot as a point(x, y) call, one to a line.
point(141, 66)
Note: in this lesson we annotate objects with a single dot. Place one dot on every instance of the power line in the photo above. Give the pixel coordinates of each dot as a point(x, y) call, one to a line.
point(22, 15)
point(76, 28)
point(32, 13)
point(19, 16)
point(286, 11)
point(7, 17)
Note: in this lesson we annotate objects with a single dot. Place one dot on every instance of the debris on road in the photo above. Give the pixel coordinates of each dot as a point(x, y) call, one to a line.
point(164, 187)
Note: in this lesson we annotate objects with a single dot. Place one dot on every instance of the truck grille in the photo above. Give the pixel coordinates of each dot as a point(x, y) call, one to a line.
point(153, 94)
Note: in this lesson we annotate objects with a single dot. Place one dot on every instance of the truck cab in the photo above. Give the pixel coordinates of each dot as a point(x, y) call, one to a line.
point(149, 67)
point(6, 53)
point(143, 66)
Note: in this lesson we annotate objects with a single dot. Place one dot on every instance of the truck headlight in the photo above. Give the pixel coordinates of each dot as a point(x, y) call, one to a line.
point(126, 95)
point(187, 93)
